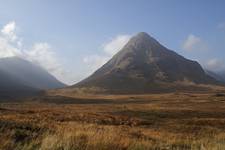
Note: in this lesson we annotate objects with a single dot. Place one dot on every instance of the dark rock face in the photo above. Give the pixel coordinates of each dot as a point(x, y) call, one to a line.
point(144, 64)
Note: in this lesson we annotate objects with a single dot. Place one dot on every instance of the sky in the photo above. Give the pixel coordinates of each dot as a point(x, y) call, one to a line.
point(72, 38)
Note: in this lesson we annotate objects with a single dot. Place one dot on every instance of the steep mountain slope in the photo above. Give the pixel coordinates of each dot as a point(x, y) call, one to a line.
point(144, 65)
point(220, 76)
point(12, 88)
point(21, 77)
point(28, 73)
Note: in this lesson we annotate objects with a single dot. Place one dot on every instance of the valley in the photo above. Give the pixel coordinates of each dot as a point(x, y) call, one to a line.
point(146, 97)
point(96, 122)
point(112, 75)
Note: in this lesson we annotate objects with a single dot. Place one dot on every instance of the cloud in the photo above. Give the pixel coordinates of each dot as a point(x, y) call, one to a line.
point(109, 49)
point(115, 44)
point(95, 61)
point(41, 53)
point(215, 64)
point(194, 43)
point(9, 31)
point(7, 49)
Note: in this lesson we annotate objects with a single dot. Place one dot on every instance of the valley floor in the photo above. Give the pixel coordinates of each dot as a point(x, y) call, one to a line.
point(129, 122)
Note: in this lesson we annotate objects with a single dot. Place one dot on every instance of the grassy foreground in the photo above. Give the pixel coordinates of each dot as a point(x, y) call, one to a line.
point(129, 122)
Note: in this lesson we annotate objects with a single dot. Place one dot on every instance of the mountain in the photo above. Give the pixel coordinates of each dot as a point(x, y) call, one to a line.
point(21, 77)
point(11, 88)
point(144, 65)
point(220, 76)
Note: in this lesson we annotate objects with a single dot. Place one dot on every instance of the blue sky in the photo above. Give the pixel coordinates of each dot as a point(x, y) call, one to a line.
point(72, 38)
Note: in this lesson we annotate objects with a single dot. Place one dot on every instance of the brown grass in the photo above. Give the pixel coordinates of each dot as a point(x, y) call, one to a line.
point(124, 122)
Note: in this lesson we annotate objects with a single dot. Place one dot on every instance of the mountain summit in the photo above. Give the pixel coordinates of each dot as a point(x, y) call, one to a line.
point(144, 65)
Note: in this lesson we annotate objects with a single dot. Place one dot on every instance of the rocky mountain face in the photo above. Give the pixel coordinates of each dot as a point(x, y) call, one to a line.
point(21, 77)
point(144, 65)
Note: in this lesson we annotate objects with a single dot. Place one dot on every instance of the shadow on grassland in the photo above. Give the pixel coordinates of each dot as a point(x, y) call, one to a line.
point(70, 100)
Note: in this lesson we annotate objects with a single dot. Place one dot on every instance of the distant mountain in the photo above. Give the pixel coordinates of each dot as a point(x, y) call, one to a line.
point(11, 88)
point(21, 77)
point(144, 65)
point(220, 76)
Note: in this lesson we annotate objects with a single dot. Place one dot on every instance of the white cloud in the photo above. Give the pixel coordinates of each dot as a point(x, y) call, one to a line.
point(9, 31)
point(115, 44)
point(215, 64)
point(9, 28)
point(7, 49)
point(95, 61)
point(40, 53)
point(109, 49)
point(194, 43)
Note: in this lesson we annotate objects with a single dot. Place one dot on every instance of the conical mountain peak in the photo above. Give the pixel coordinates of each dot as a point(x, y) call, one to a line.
point(143, 43)
point(143, 64)
point(142, 37)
